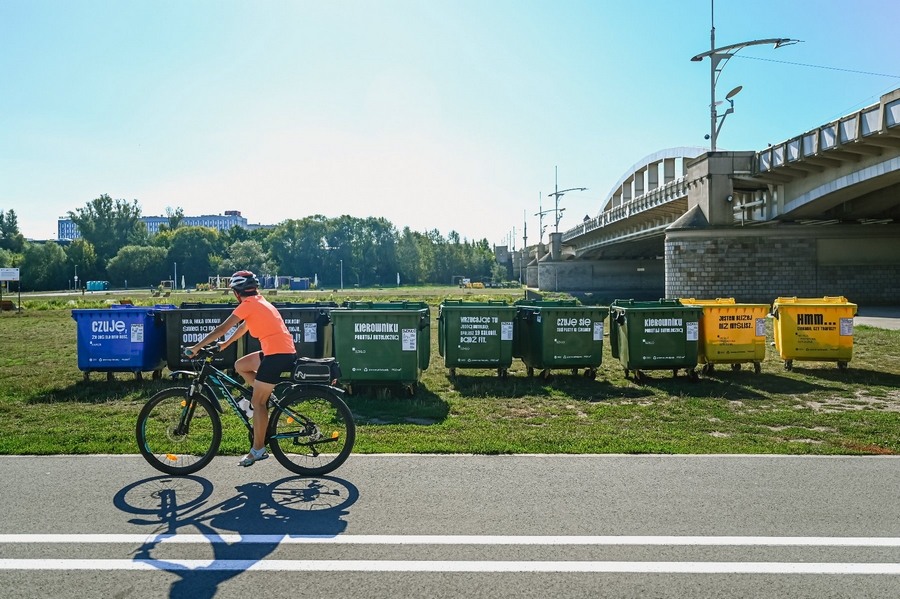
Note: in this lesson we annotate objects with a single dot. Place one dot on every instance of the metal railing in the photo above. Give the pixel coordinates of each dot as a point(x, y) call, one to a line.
point(671, 191)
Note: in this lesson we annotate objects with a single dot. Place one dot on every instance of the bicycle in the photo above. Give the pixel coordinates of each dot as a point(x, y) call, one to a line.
point(310, 430)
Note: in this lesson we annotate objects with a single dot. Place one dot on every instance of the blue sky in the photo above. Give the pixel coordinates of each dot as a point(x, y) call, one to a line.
point(435, 114)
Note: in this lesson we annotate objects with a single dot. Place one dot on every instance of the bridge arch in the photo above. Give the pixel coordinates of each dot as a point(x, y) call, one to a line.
point(644, 175)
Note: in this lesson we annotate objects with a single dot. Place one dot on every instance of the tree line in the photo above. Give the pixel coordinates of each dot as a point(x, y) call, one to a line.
point(115, 246)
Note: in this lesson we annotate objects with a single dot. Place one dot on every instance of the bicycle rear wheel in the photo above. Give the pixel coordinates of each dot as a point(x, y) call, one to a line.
point(311, 431)
point(177, 434)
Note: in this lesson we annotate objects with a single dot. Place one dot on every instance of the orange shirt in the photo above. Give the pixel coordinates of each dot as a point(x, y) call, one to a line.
point(265, 323)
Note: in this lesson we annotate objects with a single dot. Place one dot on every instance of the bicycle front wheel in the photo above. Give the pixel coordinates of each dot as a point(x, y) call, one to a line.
point(178, 434)
point(311, 431)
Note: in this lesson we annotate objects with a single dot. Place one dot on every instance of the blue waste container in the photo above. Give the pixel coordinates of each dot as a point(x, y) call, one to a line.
point(121, 339)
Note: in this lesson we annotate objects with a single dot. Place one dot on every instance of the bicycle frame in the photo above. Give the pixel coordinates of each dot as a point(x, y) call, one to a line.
point(217, 382)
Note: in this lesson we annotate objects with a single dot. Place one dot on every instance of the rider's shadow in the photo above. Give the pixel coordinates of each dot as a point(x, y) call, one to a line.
point(260, 515)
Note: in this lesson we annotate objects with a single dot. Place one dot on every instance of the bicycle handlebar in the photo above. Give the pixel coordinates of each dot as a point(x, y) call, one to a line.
point(203, 352)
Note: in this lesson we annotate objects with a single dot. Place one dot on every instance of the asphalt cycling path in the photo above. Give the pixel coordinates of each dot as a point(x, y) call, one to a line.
point(451, 526)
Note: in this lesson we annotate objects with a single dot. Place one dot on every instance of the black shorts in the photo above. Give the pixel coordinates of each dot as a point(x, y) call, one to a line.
point(271, 367)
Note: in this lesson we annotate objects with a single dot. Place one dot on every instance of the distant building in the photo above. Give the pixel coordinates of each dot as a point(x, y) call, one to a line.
point(66, 229)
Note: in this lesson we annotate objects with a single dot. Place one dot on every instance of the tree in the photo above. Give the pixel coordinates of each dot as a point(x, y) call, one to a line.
point(43, 266)
point(245, 255)
point(6, 258)
point(409, 257)
point(81, 255)
point(109, 225)
point(381, 265)
point(10, 237)
point(141, 266)
point(194, 250)
point(176, 217)
point(299, 247)
point(233, 235)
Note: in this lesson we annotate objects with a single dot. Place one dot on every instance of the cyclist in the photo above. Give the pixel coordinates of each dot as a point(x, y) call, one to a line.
point(261, 370)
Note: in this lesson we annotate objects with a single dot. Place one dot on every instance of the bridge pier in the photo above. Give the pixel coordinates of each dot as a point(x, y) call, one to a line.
point(610, 279)
point(707, 256)
point(757, 265)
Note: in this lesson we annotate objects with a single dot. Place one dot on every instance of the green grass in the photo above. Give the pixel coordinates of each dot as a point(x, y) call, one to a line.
point(46, 408)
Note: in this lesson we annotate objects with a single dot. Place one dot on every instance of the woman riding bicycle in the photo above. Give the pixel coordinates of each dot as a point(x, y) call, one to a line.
point(261, 370)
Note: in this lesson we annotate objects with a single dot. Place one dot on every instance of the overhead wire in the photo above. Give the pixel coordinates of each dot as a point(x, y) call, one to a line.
point(816, 66)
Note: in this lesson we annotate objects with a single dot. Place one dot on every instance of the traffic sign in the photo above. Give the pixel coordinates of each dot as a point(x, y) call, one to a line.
point(9, 274)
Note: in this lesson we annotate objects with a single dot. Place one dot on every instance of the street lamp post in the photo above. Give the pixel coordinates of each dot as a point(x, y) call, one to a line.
point(540, 214)
point(76, 277)
point(558, 194)
point(342, 275)
point(720, 56)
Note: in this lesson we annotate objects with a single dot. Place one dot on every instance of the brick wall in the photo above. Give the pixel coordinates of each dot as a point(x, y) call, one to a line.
point(760, 269)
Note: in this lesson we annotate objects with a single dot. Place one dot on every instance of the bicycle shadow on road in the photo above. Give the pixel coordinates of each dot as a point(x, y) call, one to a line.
point(241, 530)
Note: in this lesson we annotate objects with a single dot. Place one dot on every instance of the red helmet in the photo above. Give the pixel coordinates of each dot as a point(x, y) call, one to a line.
point(243, 280)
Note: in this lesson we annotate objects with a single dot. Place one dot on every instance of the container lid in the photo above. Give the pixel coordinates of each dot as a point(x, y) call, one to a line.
point(202, 306)
point(547, 303)
point(717, 301)
point(662, 303)
point(815, 300)
point(468, 304)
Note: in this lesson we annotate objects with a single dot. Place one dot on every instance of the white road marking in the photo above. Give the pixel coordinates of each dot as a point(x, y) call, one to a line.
point(453, 566)
point(230, 539)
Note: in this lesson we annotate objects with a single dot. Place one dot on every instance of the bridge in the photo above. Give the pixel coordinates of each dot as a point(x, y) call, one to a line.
point(817, 214)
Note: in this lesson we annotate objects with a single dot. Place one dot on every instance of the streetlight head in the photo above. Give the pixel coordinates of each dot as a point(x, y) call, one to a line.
point(786, 42)
point(734, 92)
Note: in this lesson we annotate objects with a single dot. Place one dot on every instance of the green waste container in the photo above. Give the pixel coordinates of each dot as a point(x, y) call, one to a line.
point(559, 334)
point(476, 335)
point(660, 335)
point(309, 325)
point(188, 325)
point(382, 344)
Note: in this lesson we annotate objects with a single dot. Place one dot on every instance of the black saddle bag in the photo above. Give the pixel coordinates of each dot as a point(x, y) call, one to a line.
point(315, 370)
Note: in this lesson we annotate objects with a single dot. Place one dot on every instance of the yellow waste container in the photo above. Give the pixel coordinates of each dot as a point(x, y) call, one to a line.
point(815, 330)
point(731, 333)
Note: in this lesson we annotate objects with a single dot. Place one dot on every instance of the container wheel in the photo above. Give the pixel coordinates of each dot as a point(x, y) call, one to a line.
point(736, 367)
point(157, 374)
point(788, 364)
point(138, 376)
point(757, 367)
point(452, 372)
point(675, 373)
point(545, 374)
point(575, 372)
point(842, 365)
point(590, 373)
point(502, 372)
point(530, 371)
point(87, 376)
point(110, 376)
point(412, 389)
point(349, 390)
point(627, 372)
point(639, 376)
point(693, 375)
